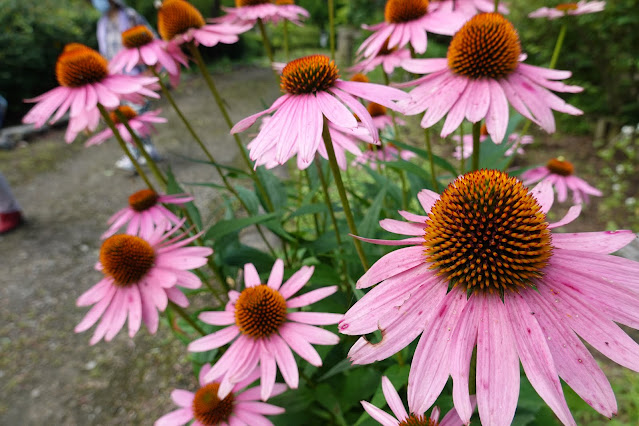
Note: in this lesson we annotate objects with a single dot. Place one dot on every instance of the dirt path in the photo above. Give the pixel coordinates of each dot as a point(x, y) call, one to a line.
point(48, 374)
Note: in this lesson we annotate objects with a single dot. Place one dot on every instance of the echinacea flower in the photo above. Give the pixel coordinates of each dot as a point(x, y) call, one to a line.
point(381, 119)
point(515, 140)
point(141, 124)
point(180, 22)
point(204, 407)
point(560, 174)
point(85, 81)
point(249, 11)
point(484, 268)
point(389, 59)
point(402, 418)
point(141, 275)
point(481, 74)
point(468, 8)
point(146, 212)
point(267, 331)
point(579, 8)
point(376, 156)
point(139, 46)
point(314, 93)
point(407, 21)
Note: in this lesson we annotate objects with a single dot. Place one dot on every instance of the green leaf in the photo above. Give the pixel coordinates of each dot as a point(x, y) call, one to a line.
point(243, 254)
point(439, 161)
point(225, 227)
point(394, 191)
point(249, 198)
point(308, 209)
point(411, 168)
point(172, 187)
point(275, 189)
point(338, 368)
point(368, 225)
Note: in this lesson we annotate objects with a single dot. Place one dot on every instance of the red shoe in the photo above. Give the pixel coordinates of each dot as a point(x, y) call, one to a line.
point(10, 221)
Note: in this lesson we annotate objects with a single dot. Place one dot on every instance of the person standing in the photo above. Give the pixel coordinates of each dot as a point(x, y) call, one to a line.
point(10, 212)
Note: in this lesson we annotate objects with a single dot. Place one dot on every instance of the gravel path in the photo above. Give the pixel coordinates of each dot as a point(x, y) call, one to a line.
point(48, 374)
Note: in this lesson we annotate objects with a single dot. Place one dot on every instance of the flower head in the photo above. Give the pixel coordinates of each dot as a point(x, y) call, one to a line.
point(142, 125)
point(180, 22)
point(85, 81)
point(481, 74)
point(407, 21)
point(465, 146)
point(145, 212)
point(561, 175)
point(579, 8)
point(247, 12)
point(402, 418)
point(266, 331)
point(314, 92)
point(485, 268)
point(204, 407)
point(141, 273)
point(141, 47)
point(468, 8)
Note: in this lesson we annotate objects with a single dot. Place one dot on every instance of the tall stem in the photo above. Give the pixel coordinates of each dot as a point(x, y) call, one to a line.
point(331, 26)
point(327, 198)
point(220, 103)
point(431, 160)
point(267, 44)
point(118, 137)
point(315, 215)
point(496, 6)
point(181, 312)
point(558, 45)
point(138, 143)
point(476, 137)
point(285, 30)
point(342, 193)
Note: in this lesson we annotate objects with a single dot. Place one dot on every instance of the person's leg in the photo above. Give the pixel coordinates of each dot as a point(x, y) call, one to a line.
point(10, 215)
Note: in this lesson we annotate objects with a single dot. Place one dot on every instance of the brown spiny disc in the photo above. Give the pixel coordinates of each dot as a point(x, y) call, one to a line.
point(376, 110)
point(284, 2)
point(415, 420)
point(487, 232)
point(398, 11)
point(309, 74)
point(136, 36)
point(208, 409)
point(126, 258)
point(143, 200)
point(565, 7)
point(79, 65)
point(561, 167)
point(242, 3)
point(176, 17)
point(486, 46)
point(385, 50)
point(128, 112)
point(362, 78)
point(260, 311)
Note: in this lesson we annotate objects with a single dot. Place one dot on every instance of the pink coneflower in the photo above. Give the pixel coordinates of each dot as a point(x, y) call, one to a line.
point(560, 174)
point(402, 418)
point(140, 277)
point(142, 125)
point(483, 268)
point(313, 92)
point(481, 74)
point(204, 408)
point(515, 140)
point(564, 9)
point(389, 59)
point(146, 212)
point(377, 155)
point(180, 22)
point(249, 11)
point(381, 119)
point(139, 46)
point(267, 331)
point(468, 8)
point(85, 82)
point(407, 21)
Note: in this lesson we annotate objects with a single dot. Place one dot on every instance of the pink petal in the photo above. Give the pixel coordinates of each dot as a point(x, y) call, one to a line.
point(260, 408)
point(177, 417)
point(314, 335)
point(297, 281)
point(392, 264)
point(214, 340)
point(285, 361)
point(301, 346)
point(497, 115)
point(544, 195)
point(402, 228)
point(315, 318)
point(605, 242)
point(573, 213)
point(182, 398)
point(335, 111)
point(427, 199)
point(217, 317)
point(277, 273)
point(268, 372)
point(311, 297)
point(392, 398)
point(380, 416)
point(248, 121)
point(251, 277)
point(134, 301)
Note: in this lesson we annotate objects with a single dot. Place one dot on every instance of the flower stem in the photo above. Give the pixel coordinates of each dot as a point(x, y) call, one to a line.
point(476, 137)
point(220, 103)
point(342, 193)
point(558, 45)
point(496, 6)
point(431, 160)
point(181, 312)
point(315, 215)
point(118, 137)
point(285, 30)
point(327, 198)
point(462, 159)
point(331, 26)
point(266, 42)
point(138, 143)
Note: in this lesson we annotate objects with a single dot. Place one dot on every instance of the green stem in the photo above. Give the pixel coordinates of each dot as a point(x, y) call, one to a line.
point(187, 318)
point(315, 215)
point(558, 45)
point(285, 30)
point(476, 137)
point(496, 6)
point(342, 193)
point(431, 160)
point(327, 198)
point(331, 26)
point(265, 41)
point(402, 176)
point(220, 103)
point(138, 143)
point(524, 130)
point(462, 159)
point(118, 137)
point(393, 115)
